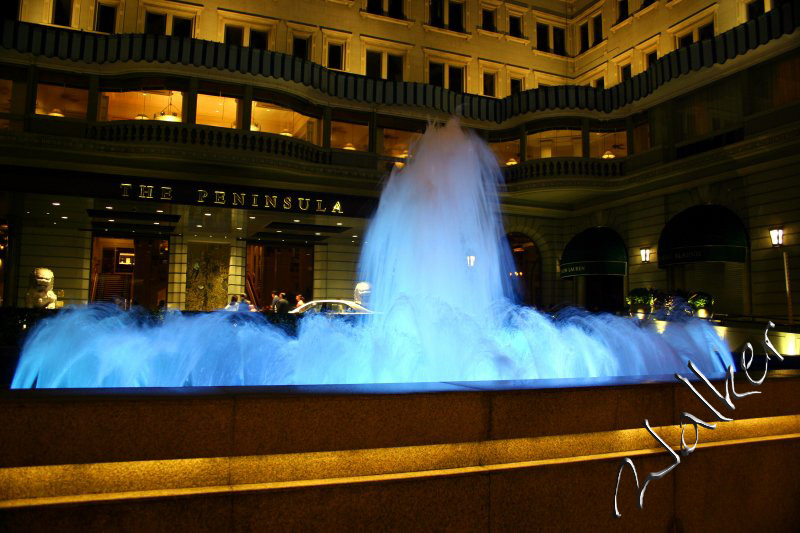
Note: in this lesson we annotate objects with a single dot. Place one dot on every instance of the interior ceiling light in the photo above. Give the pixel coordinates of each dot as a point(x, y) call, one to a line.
point(109, 207)
point(56, 204)
point(609, 155)
point(349, 146)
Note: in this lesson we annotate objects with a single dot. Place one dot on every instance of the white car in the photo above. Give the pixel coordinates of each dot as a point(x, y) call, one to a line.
point(332, 307)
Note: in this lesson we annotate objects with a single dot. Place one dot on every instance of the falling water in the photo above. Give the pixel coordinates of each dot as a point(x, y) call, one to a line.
point(436, 256)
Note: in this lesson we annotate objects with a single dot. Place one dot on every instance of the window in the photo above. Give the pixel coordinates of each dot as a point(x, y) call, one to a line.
point(699, 33)
point(446, 76)
point(516, 85)
point(559, 41)
point(600, 83)
point(436, 74)
point(384, 65)
point(395, 9)
point(6, 90)
point(625, 72)
point(584, 32)
point(436, 15)
point(140, 105)
point(489, 84)
point(106, 18)
point(685, 41)
point(62, 12)
point(336, 56)
point(455, 78)
point(271, 118)
point(61, 101)
point(515, 26)
point(456, 16)
point(220, 111)
point(349, 136)
point(651, 59)
point(397, 143)
point(608, 144)
point(157, 23)
point(506, 152)
point(705, 32)
point(542, 37)
point(755, 9)
point(622, 6)
point(375, 7)
point(300, 47)
point(553, 143)
point(597, 23)
point(489, 20)
point(234, 35)
point(258, 39)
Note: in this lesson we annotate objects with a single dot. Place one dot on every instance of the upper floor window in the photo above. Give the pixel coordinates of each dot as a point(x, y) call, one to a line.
point(384, 65)
point(446, 76)
point(625, 72)
point(490, 84)
point(651, 59)
point(542, 37)
point(515, 26)
point(388, 8)
point(106, 21)
point(301, 46)
point(755, 9)
point(597, 26)
point(515, 85)
point(234, 35)
point(584, 36)
point(622, 10)
point(559, 41)
point(591, 33)
point(398, 143)
point(375, 7)
point(161, 23)
point(140, 105)
point(61, 101)
point(271, 118)
point(336, 56)
point(489, 19)
point(553, 143)
point(608, 144)
point(506, 152)
point(447, 14)
point(349, 136)
point(551, 39)
point(600, 83)
point(62, 12)
point(697, 34)
point(217, 110)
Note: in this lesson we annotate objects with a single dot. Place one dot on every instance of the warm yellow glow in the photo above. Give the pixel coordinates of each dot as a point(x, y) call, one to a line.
point(56, 113)
point(255, 127)
point(141, 116)
point(645, 253)
point(349, 146)
point(168, 117)
point(702, 313)
point(286, 133)
point(217, 110)
point(776, 236)
point(608, 155)
point(511, 162)
point(139, 105)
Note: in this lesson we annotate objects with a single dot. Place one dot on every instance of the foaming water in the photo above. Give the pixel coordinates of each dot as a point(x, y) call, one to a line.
point(439, 315)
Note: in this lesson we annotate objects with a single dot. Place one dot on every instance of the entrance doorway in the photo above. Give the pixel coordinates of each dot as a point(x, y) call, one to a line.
point(129, 271)
point(604, 293)
point(528, 273)
point(284, 268)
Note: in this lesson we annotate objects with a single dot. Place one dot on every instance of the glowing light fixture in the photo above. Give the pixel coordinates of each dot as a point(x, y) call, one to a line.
point(254, 127)
point(609, 155)
point(511, 162)
point(169, 113)
point(470, 260)
point(645, 253)
point(141, 116)
point(287, 133)
point(349, 146)
point(56, 204)
point(56, 113)
point(776, 236)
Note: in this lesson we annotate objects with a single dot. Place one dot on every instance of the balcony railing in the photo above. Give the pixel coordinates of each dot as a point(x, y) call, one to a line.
point(564, 166)
point(173, 133)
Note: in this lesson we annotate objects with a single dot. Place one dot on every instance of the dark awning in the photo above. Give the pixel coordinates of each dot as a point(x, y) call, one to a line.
point(703, 233)
point(595, 251)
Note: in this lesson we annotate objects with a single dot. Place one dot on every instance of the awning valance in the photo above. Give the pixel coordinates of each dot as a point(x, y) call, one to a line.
point(595, 251)
point(703, 233)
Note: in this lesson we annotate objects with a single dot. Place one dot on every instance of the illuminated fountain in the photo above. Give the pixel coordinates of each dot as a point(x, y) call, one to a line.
point(436, 255)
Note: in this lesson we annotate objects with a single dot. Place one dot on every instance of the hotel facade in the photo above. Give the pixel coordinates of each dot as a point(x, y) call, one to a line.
point(183, 152)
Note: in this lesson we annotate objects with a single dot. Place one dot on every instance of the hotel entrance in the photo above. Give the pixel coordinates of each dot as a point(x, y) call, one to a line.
point(129, 272)
point(279, 267)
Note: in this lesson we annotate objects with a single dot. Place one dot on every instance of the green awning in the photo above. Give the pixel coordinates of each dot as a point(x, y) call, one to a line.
point(595, 251)
point(703, 233)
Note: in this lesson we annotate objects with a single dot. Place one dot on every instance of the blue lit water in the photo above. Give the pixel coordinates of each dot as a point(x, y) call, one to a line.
point(438, 317)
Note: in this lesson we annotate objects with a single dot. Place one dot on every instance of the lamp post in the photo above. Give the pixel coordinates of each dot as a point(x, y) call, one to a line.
point(776, 237)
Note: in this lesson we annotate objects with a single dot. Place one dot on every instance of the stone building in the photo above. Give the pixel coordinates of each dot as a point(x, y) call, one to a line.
point(188, 151)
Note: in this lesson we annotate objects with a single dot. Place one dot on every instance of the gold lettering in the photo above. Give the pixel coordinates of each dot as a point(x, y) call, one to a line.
point(201, 196)
point(238, 199)
point(126, 187)
point(219, 197)
point(320, 209)
point(146, 192)
point(166, 193)
point(287, 202)
point(300, 203)
point(337, 208)
point(255, 200)
point(272, 201)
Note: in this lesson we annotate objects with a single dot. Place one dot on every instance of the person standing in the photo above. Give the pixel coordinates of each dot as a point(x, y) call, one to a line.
point(275, 299)
point(282, 307)
point(234, 305)
point(300, 301)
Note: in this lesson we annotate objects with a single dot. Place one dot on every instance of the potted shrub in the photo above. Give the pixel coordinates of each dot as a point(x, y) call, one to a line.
point(702, 304)
point(640, 302)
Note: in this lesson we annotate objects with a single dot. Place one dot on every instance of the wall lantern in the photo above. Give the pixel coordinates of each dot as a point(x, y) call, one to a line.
point(645, 253)
point(470, 260)
point(776, 236)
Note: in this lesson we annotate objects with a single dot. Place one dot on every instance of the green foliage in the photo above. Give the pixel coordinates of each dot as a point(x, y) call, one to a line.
point(640, 296)
point(701, 300)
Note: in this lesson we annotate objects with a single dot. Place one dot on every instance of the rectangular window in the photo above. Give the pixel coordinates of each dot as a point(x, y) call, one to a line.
point(436, 74)
point(652, 58)
point(559, 41)
point(625, 73)
point(219, 111)
point(60, 101)
point(455, 78)
point(155, 23)
point(488, 20)
point(755, 9)
point(62, 12)
point(515, 26)
point(258, 39)
point(394, 67)
point(182, 27)
point(270, 118)
point(542, 37)
point(516, 85)
point(300, 47)
point(234, 35)
point(456, 16)
point(396, 9)
point(374, 67)
point(106, 18)
point(336, 56)
point(489, 79)
point(685, 41)
point(598, 29)
point(375, 7)
point(348, 136)
point(506, 152)
point(608, 144)
point(623, 10)
point(397, 143)
point(553, 143)
point(600, 83)
point(584, 31)
point(140, 105)
point(437, 13)
point(10, 9)
point(705, 32)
